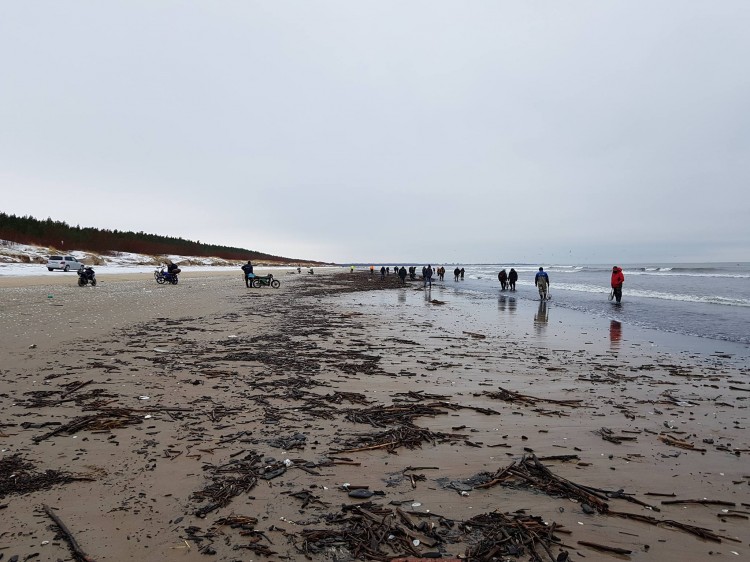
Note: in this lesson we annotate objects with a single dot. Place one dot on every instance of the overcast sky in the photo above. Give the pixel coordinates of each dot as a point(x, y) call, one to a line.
point(465, 131)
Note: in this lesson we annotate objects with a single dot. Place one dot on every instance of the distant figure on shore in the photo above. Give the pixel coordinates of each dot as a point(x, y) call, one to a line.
point(351, 269)
point(442, 273)
point(456, 273)
point(413, 272)
point(247, 270)
point(299, 269)
point(372, 270)
point(310, 271)
point(617, 280)
point(462, 273)
point(512, 278)
point(382, 272)
point(428, 276)
point(541, 280)
point(503, 278)
point(402, 274)
point(388, 270)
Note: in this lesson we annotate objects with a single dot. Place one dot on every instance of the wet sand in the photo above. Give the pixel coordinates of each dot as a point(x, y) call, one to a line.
point(210, 400)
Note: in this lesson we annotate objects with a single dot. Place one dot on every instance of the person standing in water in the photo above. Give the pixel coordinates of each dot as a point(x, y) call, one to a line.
point(503, 278)
point(512, 278)
point(428, 276)
point(617, 280)
point(541, 280)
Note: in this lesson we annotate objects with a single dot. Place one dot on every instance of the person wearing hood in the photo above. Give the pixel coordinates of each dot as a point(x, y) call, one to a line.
point(512, 278)
point(617, 280)
point(503, 278)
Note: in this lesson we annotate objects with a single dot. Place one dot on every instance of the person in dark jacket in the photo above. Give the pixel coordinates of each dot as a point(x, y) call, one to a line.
point(402, 274)
point(456, 273)
point(503, 278)
point(512, 278)
point(427, 276)
point(462, 273)
point(247, 270)
point(617, 280)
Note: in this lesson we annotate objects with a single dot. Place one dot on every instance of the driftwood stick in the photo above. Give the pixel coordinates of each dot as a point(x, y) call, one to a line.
point(605, 548)
point(77, 550)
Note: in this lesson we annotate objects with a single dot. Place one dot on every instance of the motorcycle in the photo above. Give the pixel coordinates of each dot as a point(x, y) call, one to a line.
point(265, 281)
point(86, 275)
point(162, 276)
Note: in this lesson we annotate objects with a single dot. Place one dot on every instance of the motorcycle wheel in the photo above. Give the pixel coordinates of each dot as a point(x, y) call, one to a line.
point(174, 281)
point(275, 283)
point(81, 282)
point(256, 283)
point(93, 282)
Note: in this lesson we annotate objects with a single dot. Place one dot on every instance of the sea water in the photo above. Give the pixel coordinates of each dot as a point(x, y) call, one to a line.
point(683, 308)
point(709, 300)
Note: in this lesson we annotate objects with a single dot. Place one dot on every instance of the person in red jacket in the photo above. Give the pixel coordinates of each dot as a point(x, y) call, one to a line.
point(617, 280)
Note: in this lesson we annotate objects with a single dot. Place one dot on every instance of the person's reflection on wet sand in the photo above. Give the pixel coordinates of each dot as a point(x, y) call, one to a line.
point(402, 297)
point(512, 305)
point(502, 302)
point(541, 317)
point(615, 335)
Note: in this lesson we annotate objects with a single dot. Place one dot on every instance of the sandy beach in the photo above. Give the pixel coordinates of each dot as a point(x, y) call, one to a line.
point(348, 417)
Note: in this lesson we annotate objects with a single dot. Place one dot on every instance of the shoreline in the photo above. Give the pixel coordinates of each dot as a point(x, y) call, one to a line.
point(228, 370)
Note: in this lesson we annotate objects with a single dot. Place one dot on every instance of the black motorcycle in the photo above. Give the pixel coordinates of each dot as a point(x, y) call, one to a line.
point(86, 275)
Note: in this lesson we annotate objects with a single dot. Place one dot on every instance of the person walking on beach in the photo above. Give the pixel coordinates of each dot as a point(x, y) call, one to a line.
point(382, 272)
point(351, 269)
point(617, 280)
point(456, 273)
point(372, 270)
point(512, 278)
point(503, 278)
point(428, 276)
point(402, 274)
point(462, 273)
point(541, 280)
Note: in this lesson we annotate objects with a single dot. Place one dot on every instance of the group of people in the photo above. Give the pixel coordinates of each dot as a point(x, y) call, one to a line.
point(541, 281)
point(427, 272)
point(508, 280)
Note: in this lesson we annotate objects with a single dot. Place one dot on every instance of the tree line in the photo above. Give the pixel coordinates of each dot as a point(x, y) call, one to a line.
point(63, 237)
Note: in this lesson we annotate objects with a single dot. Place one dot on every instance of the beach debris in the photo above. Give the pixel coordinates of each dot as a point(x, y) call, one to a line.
point(525, 399)
point(381, 416)
point(369, 531)
point(111, 418)
point(19, 476)
point(408, 436)
point(232, 479)
point(78, 552)
point(704, 501)
point(605, 548)
point(669, 440)
point(609, 435)
point(510, 534)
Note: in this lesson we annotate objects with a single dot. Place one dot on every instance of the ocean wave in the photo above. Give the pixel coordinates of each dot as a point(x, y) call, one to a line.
point(706, 299)
point(667, 272)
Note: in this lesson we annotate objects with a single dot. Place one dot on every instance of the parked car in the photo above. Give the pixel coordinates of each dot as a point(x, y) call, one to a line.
point(66, 263)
